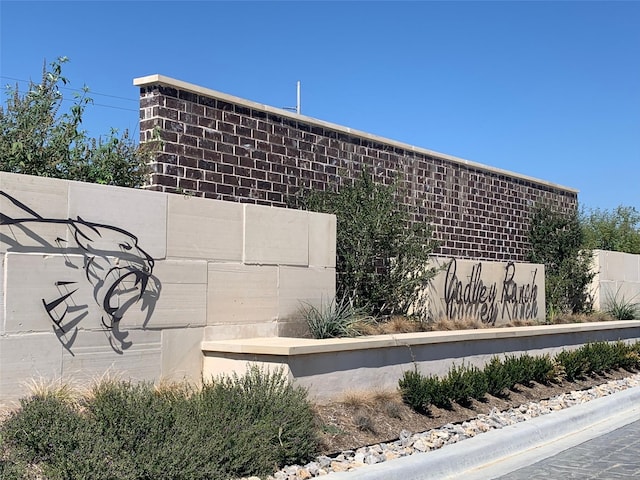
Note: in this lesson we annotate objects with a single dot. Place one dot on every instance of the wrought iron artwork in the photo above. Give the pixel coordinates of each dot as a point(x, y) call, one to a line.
point(471, 296)
point(105, 257)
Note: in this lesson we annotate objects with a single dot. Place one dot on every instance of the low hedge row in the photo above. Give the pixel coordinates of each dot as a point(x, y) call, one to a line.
point(464, 383)
point(233, 427)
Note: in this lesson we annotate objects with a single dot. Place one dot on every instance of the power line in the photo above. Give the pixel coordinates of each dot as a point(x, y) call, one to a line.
point(74, 89)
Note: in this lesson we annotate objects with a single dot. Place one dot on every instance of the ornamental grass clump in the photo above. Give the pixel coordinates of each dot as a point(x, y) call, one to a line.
point(622, 308)
point(337, 318)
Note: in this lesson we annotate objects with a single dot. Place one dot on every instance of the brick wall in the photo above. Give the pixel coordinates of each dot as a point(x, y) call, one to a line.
point(227, 148)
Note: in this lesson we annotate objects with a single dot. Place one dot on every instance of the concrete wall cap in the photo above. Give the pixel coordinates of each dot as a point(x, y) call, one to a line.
point(301, 346)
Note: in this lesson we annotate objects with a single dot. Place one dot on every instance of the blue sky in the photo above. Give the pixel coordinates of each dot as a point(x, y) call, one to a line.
point(546, 89)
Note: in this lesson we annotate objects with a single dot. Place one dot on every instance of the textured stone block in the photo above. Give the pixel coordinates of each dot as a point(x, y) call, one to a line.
point(239, 294)
point(276, 236)
point(177, 297)
point(93, 357)
point(204, 229)
point(26, 358)
point(245, 330)
point(136, 218)
point(2, 325)
point(181, 354)
point(32, 199)
point(300, 287)
point(322, 240)
point(33, 280)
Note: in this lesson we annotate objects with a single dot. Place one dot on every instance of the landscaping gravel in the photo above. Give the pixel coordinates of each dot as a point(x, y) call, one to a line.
point(409, 443)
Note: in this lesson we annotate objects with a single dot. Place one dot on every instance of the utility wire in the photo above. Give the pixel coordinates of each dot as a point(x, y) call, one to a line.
point(74, 89)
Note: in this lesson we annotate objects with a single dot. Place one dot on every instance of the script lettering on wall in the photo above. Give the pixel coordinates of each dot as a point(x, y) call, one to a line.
point(473, 296)
point(105, 259)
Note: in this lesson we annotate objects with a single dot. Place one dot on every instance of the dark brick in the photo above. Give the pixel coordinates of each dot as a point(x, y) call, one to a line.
point(224, 168)
point(190, 97)
point(224, 189)
point(186, 183)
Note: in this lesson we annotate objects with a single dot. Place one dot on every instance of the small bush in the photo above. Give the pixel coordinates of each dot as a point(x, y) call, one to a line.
point(574, 364)
point(43, 429)
point(235, 426)
point(518, 369)
point(626, 356)
point(543, 369)
point(364, 422)
point(464, 383)
point(338, 318)
point(420, 392)
point(498, 378)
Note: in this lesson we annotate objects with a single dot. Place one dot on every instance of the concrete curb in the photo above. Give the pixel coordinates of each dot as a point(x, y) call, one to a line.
point(496, 445)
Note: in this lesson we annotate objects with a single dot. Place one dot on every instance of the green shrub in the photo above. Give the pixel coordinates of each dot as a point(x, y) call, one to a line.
point(338, 318)
point(498, 378)
point(557, 241)
point(626, 356)
point(43, 429)
point(412, 391)
point(382, 257)
point(10, 469)
point(235, 426)
point(542, 369)
point(464, 383)
point(420, 392)
point(518, 369)
point(574, 364)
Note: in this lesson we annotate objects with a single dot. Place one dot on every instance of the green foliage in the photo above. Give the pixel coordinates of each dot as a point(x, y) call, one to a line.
point(43, 430)
point(37, 137)
point(381, 257)
point(557, 242)
point(598, 357)
point(543, 369)
point(498, 378)
point(420, 392)
point(518, 369)
point(617, 230)
point(338, 318)
point(461, 384)
point(235, 426)
point(465, 383)
point(268, 421)
point(626, 355)
point(574, 364)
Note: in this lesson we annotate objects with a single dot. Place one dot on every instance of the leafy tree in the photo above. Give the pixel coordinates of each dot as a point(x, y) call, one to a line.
point(557, 241)
point(617, 230)
point(37, 137)
point(382, 260)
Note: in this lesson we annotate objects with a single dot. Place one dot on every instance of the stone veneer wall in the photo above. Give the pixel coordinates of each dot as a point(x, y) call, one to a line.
point(73, 256)
point(227, 148)
point(617, 278)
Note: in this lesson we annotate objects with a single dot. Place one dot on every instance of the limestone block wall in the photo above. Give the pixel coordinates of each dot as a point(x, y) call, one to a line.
point(617, 278)
point(97, 279)
point(228, 148)
point(495, 293)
